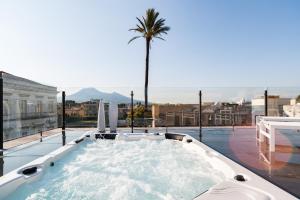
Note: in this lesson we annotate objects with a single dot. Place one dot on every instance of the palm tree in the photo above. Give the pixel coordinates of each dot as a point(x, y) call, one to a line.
point(149, 27)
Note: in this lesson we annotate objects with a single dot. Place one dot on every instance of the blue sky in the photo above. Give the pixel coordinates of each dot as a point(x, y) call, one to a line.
point(72, 44)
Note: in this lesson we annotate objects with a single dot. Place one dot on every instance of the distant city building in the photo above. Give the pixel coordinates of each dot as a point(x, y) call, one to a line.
point(275, 106)
point(85, 113)
point(88, 109)
point(28, 107)
point(174, 115)
point(213, 114)
point(228, 114)
point(293, 109)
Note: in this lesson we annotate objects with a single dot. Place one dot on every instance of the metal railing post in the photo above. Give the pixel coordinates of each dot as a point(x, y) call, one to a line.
point(1, 126)
point(63, 118)
point(200, 115)
point(41, 136)
point(233, 121)
point(266, 102)
point(1, 111)
point(131, 111)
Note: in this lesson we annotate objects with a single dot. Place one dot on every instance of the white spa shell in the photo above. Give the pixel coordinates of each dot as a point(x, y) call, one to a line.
point(254, 187)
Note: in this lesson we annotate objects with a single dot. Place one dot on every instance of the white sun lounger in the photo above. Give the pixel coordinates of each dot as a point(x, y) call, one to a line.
point(266, 127)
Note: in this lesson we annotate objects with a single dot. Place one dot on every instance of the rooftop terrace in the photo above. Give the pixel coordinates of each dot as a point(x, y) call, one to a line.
point(238, 144)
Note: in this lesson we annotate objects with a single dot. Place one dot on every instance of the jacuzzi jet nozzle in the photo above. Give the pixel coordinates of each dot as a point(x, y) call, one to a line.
point(240, 178)
point(189, 140)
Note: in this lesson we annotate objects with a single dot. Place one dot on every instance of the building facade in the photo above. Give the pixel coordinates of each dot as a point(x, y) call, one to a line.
point(87, 109)
point(85, 113)
point(275, 106)
point(293, 109)
point(28, 107)
point(228, 114)
point(213, 114)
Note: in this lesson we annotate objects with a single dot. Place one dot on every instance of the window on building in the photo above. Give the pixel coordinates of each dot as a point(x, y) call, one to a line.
point(5, 107)
point(39, 107)
point(50, 107)
point(23, 106)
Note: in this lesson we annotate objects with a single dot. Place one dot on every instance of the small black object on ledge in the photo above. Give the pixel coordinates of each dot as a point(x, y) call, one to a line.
point(189, 140)
point(51, 164)
point(79, 140)
point(109, 136)
point(174, 136)
point(240, 178)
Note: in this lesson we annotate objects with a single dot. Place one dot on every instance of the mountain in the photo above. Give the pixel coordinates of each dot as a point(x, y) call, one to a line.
point(87, 94)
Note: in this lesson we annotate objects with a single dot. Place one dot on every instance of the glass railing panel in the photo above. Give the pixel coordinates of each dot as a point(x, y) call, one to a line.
point(167, 107)
point(221, 106)
point(29, 115)
point(28, 107)
point(173, 109)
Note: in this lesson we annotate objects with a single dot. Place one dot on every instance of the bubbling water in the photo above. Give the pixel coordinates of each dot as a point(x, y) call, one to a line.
point(142, 169)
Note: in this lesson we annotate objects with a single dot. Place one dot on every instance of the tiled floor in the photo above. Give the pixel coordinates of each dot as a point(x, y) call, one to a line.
point(30, 138)
point(37, 137)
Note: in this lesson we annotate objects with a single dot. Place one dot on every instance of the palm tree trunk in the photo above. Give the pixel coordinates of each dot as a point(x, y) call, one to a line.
point(146, 79)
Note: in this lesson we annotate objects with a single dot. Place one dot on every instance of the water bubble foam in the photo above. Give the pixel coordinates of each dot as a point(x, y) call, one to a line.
point(125, 170)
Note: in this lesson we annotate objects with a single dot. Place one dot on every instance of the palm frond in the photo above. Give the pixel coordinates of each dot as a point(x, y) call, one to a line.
point(150, 26)
point(160, 23)
point(143, 24)
point(162, 30)
point(136, 37)
point(138, 29)
point(159, 38)
point(151, 16)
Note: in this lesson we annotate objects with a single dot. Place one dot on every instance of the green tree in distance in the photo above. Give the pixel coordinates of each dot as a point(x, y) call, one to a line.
point(298, 99)
point(138, 114)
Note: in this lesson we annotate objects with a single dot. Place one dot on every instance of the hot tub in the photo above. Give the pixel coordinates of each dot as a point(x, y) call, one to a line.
point(136, 166)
